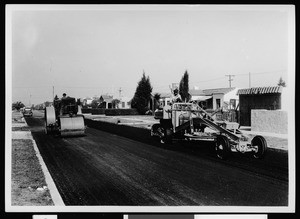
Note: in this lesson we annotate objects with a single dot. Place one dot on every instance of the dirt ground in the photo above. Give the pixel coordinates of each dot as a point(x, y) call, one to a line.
point(28, 186)
point(28, 182)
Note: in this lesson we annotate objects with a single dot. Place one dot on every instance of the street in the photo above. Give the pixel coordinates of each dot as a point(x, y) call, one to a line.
point(103, 168)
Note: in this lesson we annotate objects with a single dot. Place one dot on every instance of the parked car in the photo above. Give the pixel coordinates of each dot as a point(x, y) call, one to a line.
point(27, 112)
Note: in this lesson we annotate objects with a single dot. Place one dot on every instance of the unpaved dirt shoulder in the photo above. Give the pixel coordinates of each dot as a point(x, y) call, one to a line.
point(29, 186)
point(28, 182)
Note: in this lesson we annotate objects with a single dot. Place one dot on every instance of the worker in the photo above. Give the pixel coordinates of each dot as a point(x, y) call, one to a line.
point(176, 96)
point(64, 96)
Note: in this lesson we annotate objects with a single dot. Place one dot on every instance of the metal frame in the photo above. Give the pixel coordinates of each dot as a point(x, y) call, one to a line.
point(193, 116)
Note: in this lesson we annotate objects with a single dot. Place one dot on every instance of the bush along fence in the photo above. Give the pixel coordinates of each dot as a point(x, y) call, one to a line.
point(111, 112)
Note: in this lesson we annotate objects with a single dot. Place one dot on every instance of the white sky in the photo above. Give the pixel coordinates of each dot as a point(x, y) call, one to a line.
point(97, 51)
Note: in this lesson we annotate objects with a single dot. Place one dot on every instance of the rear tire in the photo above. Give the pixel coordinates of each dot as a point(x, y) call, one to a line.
point(154, 130)
point(49, 119)
point(167, 138)
point(48, 131)
point(222, 147)
point(259, 142)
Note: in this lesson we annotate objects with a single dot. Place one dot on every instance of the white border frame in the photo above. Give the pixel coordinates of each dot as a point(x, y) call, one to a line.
point(123, 209)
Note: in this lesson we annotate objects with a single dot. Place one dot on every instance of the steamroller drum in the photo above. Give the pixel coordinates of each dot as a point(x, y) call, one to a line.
point(49, 119)
point(71, 126)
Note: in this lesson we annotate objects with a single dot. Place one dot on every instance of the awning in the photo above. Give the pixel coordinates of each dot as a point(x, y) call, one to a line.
point(260, 90)
point(200, 98)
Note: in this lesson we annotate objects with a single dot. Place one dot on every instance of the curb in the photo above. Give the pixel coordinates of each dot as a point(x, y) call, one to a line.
point(56, 198)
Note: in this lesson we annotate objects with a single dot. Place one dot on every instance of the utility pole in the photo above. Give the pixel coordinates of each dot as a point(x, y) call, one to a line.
point(53, 92)
point(230, 79)
point(120, 91)
point(249, 80)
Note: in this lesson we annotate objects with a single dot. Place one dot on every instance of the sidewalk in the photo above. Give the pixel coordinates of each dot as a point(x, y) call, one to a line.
point(31, 181)
point(247, 129)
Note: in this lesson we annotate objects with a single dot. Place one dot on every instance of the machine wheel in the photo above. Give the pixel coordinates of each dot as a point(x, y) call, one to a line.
point(260, 144)
point(49, 119)
point(47, 131)
point(154, 129)
point(167, 138)
point(222, 147)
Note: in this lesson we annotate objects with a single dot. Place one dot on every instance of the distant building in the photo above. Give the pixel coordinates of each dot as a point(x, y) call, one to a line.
point(87, 101)
point(200, 97)
point(165, 99)
point(268, 98)
point(106, 101)
point(125, 103)
point(216, 98)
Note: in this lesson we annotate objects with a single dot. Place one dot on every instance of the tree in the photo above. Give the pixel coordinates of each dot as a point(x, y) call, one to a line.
point(156, 100)
point(142, 95)
point(47, 103)
point(184, 87)
point(94, 103)
point(115, 103)
point(17, 105)
point(281, 82)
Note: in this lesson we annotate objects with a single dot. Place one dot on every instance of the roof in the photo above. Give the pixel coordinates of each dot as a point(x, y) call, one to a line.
point(200, 98)
point(260, 90)
point(106, 97)
point(218, 90)
point(165, 95)
point(196, 92)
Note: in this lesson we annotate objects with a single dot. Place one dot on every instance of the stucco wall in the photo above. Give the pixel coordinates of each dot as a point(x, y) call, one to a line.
point(274, 121)
point(231, 95)
point(257, 101)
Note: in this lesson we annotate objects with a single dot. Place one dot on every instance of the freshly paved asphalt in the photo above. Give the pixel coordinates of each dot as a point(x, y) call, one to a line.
point(103, 168)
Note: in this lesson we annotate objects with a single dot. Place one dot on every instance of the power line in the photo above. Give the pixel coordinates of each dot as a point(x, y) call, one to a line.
point(262, 72)
point(214, 79)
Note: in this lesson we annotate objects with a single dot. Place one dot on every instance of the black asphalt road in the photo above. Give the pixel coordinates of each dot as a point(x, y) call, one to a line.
point(102, 168)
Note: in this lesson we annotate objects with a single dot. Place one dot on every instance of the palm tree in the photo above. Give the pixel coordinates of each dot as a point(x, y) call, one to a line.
point(281, 82)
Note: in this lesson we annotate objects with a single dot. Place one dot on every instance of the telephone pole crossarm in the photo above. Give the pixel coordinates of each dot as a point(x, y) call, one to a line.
point(230, 79)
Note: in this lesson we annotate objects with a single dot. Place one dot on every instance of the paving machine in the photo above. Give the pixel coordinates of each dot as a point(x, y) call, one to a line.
point(63, 118)
point(188, 121)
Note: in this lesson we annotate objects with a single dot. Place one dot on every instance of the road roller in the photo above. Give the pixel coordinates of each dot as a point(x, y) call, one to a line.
point(64, 118)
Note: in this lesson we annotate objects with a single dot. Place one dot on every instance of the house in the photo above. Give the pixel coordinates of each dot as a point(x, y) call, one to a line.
point(200, 97)
point(216, 98)
point(125, 103)
point(106, 101)
point(222, 98)
point(165, 99)
point(259, 98)
point(87, 101)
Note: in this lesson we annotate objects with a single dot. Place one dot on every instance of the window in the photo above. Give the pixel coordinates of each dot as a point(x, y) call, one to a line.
point(123, 104)
point(232, 103)
point(218, 102)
